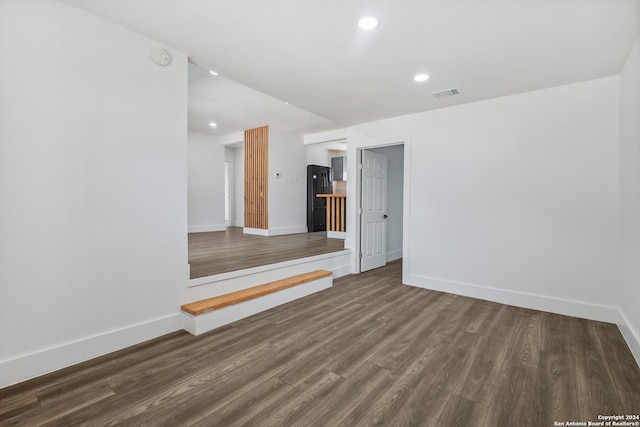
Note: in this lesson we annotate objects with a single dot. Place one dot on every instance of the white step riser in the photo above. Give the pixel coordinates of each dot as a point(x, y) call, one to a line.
point(214, 319)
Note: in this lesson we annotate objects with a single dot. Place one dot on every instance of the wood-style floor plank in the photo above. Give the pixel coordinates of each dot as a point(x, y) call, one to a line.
point(245, 407)
point(443, 372)
point(220, 252)
point(459, 411)
point(356, 392)
point(554, 333)
point(483, 369)
point(17, 404)
point(595, 387)
point(557, 392)
point(515, 401)
point(615, 355)
point(368, 351)
point(289, 409)
point(525, 347)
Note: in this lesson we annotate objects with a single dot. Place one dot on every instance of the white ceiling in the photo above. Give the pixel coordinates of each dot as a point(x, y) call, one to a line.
point(235, 107)
point(312, 54)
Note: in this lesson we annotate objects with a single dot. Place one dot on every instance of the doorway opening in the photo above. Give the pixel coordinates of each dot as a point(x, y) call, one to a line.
point(381, 205)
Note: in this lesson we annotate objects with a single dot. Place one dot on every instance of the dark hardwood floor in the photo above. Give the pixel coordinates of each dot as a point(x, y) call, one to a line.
point(368, 351)
point(223, 251)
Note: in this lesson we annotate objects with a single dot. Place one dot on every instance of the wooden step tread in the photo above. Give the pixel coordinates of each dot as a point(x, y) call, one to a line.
point(209, 304)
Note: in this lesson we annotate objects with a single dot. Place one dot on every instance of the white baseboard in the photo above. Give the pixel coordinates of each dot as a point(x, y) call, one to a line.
point(256, 231)
point(630, 335)
point(341, 271)
point(580, 309)
point(287, 230)
point(336, 235)
point(206, 228)
point(275, 231)
point(209, 321)
point(41, 362)
point(394, 255)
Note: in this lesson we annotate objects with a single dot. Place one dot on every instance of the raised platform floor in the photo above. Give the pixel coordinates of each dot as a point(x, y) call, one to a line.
point(219, 252)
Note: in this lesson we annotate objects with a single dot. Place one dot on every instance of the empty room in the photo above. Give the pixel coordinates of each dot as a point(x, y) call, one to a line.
point(298, 213)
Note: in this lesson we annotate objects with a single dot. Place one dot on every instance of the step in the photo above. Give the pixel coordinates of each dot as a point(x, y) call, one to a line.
point(339, 263)
point(205, 315)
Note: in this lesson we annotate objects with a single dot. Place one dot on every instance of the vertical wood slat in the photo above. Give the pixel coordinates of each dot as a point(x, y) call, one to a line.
point(335, 216)
point(328, 214)
point(256, 174)
point(336, 219)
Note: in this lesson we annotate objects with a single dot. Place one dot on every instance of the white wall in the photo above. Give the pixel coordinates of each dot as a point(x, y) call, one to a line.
point(513, 199)
point(320, 153)
point(395, 172)
point(93, 160)
point(288, 193)
point(630, 196)
point(238, 211)
point(206, 183)
point(229, 157)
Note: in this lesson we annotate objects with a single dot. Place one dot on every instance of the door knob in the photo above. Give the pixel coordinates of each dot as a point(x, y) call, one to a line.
point(386, 216)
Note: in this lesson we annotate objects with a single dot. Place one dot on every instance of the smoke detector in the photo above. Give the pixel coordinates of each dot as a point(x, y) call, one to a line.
point(161, 56)
point(448, 93)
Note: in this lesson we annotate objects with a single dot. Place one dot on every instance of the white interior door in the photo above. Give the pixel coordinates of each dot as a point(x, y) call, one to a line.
point(373, 235)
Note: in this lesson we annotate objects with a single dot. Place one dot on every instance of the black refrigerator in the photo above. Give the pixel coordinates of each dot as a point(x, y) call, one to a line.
point(318, 182)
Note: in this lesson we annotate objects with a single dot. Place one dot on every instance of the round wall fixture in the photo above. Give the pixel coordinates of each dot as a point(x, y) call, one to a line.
point(161, 56)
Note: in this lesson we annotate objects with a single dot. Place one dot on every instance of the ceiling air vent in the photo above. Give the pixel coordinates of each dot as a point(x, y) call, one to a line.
point(446, 93)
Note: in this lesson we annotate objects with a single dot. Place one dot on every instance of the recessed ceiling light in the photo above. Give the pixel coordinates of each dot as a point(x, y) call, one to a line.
point(213, 73)
point(368, 23)
point(213, 124)
point(421, 77)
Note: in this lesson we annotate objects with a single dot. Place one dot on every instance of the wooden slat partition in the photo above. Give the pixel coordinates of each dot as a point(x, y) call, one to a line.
point(256, 178)
point(336, 204)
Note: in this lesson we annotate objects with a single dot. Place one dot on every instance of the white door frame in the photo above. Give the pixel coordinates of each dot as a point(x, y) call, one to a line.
point(406, 202)
point(227, 193)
